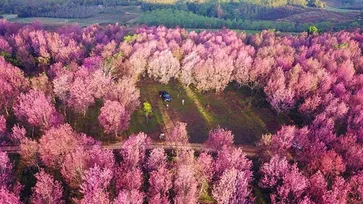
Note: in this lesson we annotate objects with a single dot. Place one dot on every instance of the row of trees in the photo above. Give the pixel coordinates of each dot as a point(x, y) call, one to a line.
point(60, 73)
point(172, 18)
point(59, 8)
point(95, 175)
point(274, 3)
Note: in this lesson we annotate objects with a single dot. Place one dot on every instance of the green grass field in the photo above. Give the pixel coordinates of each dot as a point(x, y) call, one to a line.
point(230, 109)
point(111, 15)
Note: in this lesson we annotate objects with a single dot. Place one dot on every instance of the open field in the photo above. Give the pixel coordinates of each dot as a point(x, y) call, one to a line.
point(311, 15)
point(202, 112)
point(118, 14)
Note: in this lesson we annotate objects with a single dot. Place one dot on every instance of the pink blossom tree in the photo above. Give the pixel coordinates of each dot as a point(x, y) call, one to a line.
point(160, 177)
point(330, 164)
point(95, 184)
point(17, 134)
point(160, 183)
point(318, 187)
point(8, 197)
point(280, 97)
point(12, 81)
point(356, 186)
point(125, 197)
point(232, 158)
point(156, 159)
point(187, 68)
point(2, 125)
point(46, 190)
point(282, 141)
point(215, 72)
point(163, 66)
point(134, 149)
point(219, 138)
point(128, 174)
point(179, 134)
point(125, 87)
point(242, 67)
point(81, 93)
point(185, 184)
point(101, 83)
point(81, 159)
point(233, 188)
point(113, 117)
point(55, 144)
point(28, 151)
point(338, 193)
point(73, 166)
point(36, 109)
point(6, 169)
point(287, 182)
point(205, 165)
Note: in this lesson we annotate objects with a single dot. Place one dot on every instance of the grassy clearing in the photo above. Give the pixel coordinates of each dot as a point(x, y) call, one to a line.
point(202, 112)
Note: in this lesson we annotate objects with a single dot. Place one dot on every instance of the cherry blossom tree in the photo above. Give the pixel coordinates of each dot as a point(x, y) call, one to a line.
point(356, 187)
point(126, 93)
point(287, 181)
point(95, 184)
point(17, 134)
point(185, 185)
point(128, 197)
point(46, 190)
point(215, 72)
point(81, 159)
point(55, 144)
point(114, 118)
point(280, 97)
point(28, 151)
point(338, 193)
point(156, 159)
point(81, 92)
point(36, 109)
point(179, 134)
point(2, 125)
point(163, 66)
point(128, 174)
point(219, 138)
point(330, 164)
point(8, 197)
point(160, 183)
point(6, 169)
point(318, 187)
point(232, 158)
point(101, 83)
point(242, 67)
point(12, 81)
point(232, 188)
point(160, 177)
point(74, 166)
point(205, 165)
point(187, 68)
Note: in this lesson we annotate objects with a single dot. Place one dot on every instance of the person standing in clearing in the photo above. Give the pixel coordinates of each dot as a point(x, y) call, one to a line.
point(161, 136)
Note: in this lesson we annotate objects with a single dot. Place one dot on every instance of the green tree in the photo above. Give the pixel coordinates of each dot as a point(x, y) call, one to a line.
point(147, 110)
point(312, 30)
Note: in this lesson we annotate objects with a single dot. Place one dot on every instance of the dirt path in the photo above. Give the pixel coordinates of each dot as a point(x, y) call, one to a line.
point(249, 150)
point(168, 122)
